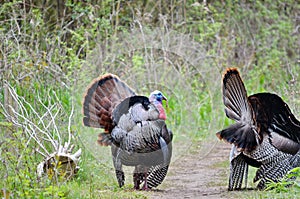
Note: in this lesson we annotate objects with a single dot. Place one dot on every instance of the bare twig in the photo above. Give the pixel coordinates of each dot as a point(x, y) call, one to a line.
point(41, 128)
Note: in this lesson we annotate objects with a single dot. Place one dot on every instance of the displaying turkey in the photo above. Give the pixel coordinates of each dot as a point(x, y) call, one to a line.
point(266, 134)
point(134, 126)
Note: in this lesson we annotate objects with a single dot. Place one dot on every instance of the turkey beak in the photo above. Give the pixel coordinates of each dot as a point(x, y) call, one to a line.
point(164, 98)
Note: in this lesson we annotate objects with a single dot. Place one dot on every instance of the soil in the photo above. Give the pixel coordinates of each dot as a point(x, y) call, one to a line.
point(201, 173)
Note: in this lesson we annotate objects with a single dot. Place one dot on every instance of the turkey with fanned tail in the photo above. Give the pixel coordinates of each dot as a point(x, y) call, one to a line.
point(265, 134)
point(134, 126)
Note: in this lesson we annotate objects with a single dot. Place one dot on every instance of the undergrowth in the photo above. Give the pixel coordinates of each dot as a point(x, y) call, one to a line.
point(51, 50)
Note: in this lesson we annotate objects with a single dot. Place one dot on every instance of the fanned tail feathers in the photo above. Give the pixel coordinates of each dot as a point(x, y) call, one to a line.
point(237, 107)
point(265, 134)
point(99, 101)
point(235, 97)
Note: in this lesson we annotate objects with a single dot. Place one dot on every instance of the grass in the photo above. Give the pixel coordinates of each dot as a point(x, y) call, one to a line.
point(49, 57)
point(251, 192)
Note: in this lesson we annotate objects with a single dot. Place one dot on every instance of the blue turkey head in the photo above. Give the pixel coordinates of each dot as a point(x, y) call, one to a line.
point(157, 96)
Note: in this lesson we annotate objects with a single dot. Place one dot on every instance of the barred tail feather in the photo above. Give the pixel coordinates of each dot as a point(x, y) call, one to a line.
point(156, 175)
point(238, 169)
point(101, 97)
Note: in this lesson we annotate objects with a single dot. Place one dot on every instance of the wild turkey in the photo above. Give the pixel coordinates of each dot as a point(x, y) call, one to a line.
point(133, 125)
point(266, 134)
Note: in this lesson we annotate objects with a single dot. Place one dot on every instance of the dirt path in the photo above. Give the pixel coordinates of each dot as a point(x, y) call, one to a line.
point(201, 173)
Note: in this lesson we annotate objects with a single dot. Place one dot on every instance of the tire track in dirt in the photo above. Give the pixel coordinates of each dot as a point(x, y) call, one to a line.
point(201, 173)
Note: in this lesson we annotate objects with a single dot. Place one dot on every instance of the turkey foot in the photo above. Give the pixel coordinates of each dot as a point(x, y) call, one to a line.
point(145, 186)
point(137, 178)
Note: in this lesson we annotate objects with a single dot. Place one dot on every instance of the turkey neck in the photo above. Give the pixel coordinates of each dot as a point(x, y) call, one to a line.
point(161, 110)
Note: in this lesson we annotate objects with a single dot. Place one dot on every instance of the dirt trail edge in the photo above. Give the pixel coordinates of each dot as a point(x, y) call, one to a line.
point(201, 173)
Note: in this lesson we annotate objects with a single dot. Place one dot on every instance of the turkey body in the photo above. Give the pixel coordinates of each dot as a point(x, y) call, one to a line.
point(266, 134)
point(134, 127)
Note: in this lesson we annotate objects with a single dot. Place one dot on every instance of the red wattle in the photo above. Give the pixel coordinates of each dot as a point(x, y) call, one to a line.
point(162, 114)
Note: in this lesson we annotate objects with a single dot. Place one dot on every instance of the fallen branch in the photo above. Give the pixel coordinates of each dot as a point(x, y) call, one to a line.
point(41, 128)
